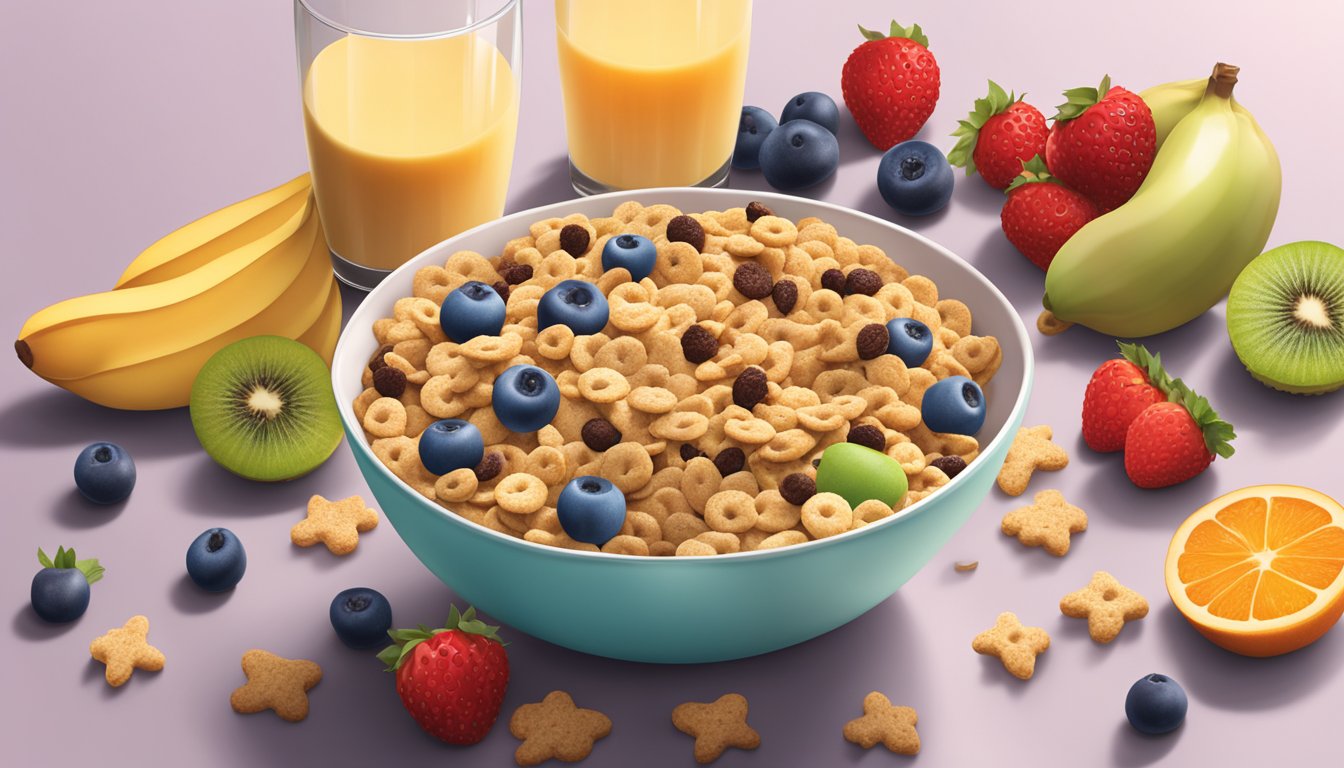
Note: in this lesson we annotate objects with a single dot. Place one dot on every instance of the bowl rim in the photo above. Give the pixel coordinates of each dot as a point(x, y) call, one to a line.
point(551, 210)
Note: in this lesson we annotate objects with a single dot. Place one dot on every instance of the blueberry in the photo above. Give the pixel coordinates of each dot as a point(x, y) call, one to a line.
point(525, 398)
point(915, 178)
point(60, 591)
point(814, 106)
point(910, 340)
point(1156, 704)
point(634, 252)
point(451, 444)
point(473, 309)
point(591, 509)
point(954, 405)
point(104, 473)
point(361, 617)
point(575, 303)
point(216, 560)
point(752, 129)
point(799, 154)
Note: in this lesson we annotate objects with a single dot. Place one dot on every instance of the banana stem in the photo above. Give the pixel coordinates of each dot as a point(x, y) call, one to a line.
point(25, 352)
point(1222, 80)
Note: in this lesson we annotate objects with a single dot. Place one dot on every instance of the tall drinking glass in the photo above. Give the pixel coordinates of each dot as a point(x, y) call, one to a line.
point(410, 108)
point(652, 90)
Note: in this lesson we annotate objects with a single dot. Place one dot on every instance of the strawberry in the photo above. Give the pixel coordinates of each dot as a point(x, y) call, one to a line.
point(1172, 441)
point(451, 680)
point(999, 135)
point(890, 84)
point(1041, 214)
point(1119, 391)
point(1102, 143)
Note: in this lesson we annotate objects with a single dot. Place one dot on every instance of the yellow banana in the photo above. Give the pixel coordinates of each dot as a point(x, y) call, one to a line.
point(216, 234)
point(1203, 212)
point(326, 330)
point(1170, 102)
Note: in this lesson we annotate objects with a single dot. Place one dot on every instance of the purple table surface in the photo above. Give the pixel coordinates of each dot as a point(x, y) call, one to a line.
point(123, 121)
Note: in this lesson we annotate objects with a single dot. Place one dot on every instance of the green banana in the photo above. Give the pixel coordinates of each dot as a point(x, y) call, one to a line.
point(1170, 102)
point(1169, 254)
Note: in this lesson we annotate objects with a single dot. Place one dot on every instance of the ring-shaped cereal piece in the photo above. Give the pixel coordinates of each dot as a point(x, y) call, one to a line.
point(747, 317)
point(439, 400)
point(602, 385)
point(789, 445)
point(871, 511)
point(680, 426)
point(923, 289)
point(774, 231)
point(627, 465)
point(458, 485)
point(774, 513)
point(681, 526)
point(719, 283)
point(744, 481)
point(623, 544)
point(558, 540)
point(433, 283)
point(778, 361)
point(363, 401)
point(623, 354)
point(717, 542)
point(385, 417)
point(826, 514)
point(811, 228)
point(677, 263)
point(547, 464)
point(743, 246)
point(583, 353)
point(782, 539)
point(472, 266)
point(749, 431)
point(634, 318)
point(655, 400)
point(491, 349)
point(644, 526)
point(520, 493)
point(555, 342)
point(975, 352)
point(730, 512)
point(821, 418)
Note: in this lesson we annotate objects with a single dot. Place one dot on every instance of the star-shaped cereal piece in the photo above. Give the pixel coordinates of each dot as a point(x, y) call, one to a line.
point(276, 683)
point(126, 649)
point(1013, 644)
point(556, 728)
point(1106, 604)
point(891, 726)
point(1031, 450)
point(716, 726)
point(1047, 522)
point(334, 523)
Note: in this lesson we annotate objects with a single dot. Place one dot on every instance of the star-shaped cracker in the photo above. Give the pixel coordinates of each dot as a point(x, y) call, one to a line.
point(276, 683)
point(556, 728)
point(334, 523)
point(1047, 522)
point(716, 726)
point(891, 726)
point(1013, 644)
point(126, 649)
point(1106, 604)
point(1031, 450)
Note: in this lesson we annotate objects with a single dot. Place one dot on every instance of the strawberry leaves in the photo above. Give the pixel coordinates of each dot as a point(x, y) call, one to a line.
point(65, 558)
point(405, 640)
point(968, 130)
point(1033, 172)
point(1218, 434)
point(1079, 99)
point(913, 33)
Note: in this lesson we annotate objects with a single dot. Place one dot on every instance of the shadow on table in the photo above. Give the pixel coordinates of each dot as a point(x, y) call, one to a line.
point(1131, 748)
point(209, 490)
point(74, 512)
point(1275, 417)
point(549, 185)
point(29, 627)
point(189, 598)
point(54, 418)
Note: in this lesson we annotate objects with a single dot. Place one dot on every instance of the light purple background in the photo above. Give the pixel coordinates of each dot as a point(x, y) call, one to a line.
point(122, 121)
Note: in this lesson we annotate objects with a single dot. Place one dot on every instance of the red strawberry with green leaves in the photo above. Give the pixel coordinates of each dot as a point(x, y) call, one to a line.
point(1119, 391)
point(1001, 133)
point(890, 84)
point(1041, 214)
point(452, 680)
point(1102, 143)
point(1172, 441)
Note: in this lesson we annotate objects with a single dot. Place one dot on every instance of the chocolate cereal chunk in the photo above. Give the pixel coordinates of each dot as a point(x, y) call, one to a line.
point(863, 281)
point(753, 280)
point(872, 341)
point(834, 280)
point(377, 360)
point(797, 488)
point(951, 465)
point(756, 210)
point(730, 460)
point(684, 229)
point(698, 344)
point(502, 288)
point(600, 434)
point(785, 295)
point(489, 468)
point(520, 273)
point(868, 436)
point(689, 452)
point(574, 240)
point(389, 381)
point(749, 388)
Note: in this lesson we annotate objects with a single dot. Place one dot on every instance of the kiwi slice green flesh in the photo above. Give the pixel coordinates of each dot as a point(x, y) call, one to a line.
point(263, 408)
point(1285, 317)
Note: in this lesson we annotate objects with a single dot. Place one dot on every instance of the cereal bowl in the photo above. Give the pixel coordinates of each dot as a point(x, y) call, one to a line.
point(693, 609)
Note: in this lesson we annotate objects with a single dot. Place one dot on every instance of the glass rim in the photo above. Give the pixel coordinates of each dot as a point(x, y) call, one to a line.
point(505, 7)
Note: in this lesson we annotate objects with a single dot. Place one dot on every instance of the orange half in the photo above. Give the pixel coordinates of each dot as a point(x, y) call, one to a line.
point(1258, 571)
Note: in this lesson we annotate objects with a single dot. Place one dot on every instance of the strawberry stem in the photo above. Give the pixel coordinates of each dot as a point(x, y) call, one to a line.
point(1218, 434)
point(968, 130)
point(912, 33)
point(405, 640)
point(1033, 172)
point(1080, 99)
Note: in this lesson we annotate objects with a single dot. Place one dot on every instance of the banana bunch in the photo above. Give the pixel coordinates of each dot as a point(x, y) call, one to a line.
point(1203, 212)
point(259, 266)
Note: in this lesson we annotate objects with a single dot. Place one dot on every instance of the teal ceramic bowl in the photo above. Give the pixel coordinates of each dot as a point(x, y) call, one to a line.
point(694, 609)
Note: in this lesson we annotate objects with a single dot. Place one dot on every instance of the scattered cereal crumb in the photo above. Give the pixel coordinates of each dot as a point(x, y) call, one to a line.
point(556, 728)
point(1106, 604)
point(275, 683)
point(1031, 450)
point(334, 523)
point(1014, 645)
point(126, 649)
point(1047, 522)
point(883, 723)
point(1049, 325)
point(716, 726)
point(965, 566)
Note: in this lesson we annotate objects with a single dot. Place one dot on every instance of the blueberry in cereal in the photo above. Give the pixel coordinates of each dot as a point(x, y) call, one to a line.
point(472, 310)
point(216, 560)
point(450, 444)
point(591, 510)
point(576, 304)
point(525, 398)
point(636, 253)
point(910, 340)
point(104, 473)
point(954, 405)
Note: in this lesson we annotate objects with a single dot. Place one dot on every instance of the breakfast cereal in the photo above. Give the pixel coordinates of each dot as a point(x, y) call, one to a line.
point(1106, 604)
point(1012, 644)
point(275, 683)
point(555, 728)
point(884, 723)
point(716, 726)
point(126, 649)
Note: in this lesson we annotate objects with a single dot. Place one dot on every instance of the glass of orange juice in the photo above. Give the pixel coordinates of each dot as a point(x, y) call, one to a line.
point(652, 90)
point(410, 108)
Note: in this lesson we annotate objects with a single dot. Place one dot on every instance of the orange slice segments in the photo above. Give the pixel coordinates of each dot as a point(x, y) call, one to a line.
point(1260, 571)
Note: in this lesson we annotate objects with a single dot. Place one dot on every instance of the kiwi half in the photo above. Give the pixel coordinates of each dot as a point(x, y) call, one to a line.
point(263, 408)
point(1285, 316)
